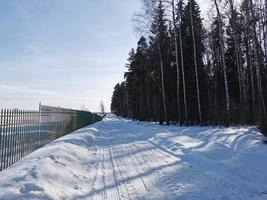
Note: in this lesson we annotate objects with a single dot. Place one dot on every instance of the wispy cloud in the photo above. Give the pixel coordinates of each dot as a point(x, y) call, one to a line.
point(64, 53)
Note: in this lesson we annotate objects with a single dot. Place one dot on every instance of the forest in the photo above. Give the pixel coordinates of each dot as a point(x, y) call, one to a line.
point(188, 72)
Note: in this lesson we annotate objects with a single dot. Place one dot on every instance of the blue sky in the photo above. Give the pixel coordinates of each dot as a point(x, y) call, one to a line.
point(63, 52)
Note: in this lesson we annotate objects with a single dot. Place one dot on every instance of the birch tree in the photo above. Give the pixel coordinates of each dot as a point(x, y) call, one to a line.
point(222, 46)
point(195, 63)
point(179, 17)
point(257, 61)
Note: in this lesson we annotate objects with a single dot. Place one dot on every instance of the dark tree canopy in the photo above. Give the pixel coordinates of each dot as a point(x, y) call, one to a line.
point(152, 79)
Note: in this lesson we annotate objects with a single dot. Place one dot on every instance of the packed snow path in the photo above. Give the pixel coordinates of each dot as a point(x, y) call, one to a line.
point(120, 159)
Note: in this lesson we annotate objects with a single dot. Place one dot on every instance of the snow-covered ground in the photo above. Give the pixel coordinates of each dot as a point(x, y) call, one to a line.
point(119, 159)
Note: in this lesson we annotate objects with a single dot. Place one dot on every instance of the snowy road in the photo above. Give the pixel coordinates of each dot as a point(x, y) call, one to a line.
point(119, 159)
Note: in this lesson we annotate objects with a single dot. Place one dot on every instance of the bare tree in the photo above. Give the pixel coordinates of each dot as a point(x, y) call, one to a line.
point(222, 45)
point(174, 21)
point(233, 14)
point(195, 61)
point(83, 107)
point(102, 107)
point(179, 3)
point(257, 62)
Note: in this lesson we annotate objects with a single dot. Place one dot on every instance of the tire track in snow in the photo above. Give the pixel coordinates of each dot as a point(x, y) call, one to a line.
point(97, 170)
point(97, 174)
point(157, 162)
point(116, 184)
point(137, 170)
point(145, 166)
point(100, 181)
point(129, 173)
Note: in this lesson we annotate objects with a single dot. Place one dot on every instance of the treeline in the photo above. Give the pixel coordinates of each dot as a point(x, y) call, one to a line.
point(182, 72)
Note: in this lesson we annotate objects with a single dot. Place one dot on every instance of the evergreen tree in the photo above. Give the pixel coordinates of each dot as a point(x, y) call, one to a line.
point(182, 73)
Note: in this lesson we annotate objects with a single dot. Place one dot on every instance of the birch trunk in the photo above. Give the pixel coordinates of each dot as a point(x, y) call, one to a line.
point(249, 61)
point(163, 86)
point(238, 63)
point(182, 64)
point(195, 62)
point(256, 49)
point(227, 97)
point(176, 62)
point(264, 29)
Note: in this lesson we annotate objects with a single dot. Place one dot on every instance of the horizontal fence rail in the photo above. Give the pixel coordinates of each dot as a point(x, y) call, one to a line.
point(22, 132)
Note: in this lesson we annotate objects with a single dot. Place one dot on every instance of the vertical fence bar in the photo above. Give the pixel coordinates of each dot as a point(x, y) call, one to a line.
point(4, 140)
point(27, 133)
point(7, 138)
point(10, 156)
point(31, 135)
point(57, 123)
point(39, 125)
point(1, 138)
point(20, 135)
point(16, 135)
point(17, 132)
point(23, 134)
point(12, 138)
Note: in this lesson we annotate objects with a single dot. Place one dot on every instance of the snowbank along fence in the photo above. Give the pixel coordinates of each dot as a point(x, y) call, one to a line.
point(22, 132)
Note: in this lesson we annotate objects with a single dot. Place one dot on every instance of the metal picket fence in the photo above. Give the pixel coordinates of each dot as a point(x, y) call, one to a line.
point(22, 132)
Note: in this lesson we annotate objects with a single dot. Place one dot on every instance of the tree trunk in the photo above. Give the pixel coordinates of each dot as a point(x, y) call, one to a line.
point(177, 63)
point(182, 64)
point(163, 86)
point(265, 32)
point(141, 101)
point(195, 63)
point(256, 49)
point(238, 63)
point(249, 62)
point(227, 97)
